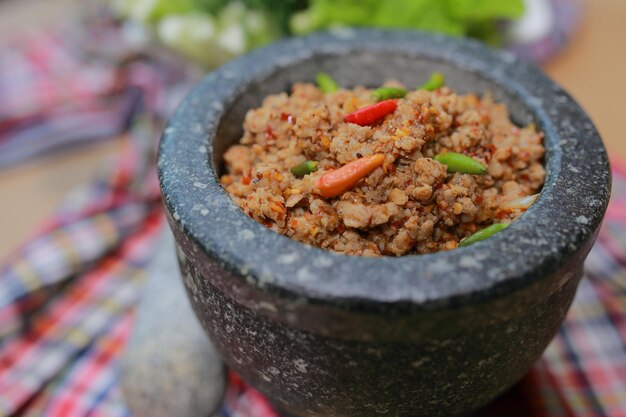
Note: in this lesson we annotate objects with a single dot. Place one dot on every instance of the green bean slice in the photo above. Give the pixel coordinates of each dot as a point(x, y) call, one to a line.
point(326, 83)
point(304, 168)
point(457, 162)
point(483, 234)
point(386, 93)
point(437, 80)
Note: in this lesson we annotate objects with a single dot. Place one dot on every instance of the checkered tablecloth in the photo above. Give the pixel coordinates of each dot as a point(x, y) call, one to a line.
point(67, 294)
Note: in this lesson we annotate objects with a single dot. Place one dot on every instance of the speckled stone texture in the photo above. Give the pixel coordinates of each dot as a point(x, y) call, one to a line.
point(327, 334)
point(169, 367)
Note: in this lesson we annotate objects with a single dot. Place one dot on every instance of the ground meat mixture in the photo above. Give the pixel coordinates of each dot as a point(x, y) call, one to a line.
point(409, 203)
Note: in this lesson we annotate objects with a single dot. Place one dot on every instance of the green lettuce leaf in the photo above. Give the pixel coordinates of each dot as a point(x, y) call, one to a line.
point(485, 9)
point(453, 17)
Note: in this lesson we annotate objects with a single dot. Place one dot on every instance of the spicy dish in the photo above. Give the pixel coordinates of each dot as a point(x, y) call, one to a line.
point(385, 171)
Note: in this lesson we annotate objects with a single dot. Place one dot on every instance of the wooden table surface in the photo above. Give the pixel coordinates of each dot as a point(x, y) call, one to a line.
point(592, 69)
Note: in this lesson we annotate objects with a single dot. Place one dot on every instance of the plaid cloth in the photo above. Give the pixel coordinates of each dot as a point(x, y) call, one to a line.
point(60, 342)
point(80, 84)
point(67, 295)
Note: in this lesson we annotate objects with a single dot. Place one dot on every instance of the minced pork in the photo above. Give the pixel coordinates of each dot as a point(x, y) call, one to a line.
point(410, 204)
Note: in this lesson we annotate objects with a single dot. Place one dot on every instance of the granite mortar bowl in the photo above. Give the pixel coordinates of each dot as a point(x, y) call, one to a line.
point(324, 334)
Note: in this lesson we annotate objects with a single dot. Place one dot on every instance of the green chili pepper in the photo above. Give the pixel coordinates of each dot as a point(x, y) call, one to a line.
point(326, 83)
point(457, 162)
point(437, 80)
point(483, 234)
point(304, 168)
point(385, 93)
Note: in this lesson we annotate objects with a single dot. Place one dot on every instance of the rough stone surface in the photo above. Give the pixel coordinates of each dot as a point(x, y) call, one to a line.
point(328, 334)
point(169, 367)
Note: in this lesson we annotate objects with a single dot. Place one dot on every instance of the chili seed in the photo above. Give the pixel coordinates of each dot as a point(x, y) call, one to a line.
point(520, 203)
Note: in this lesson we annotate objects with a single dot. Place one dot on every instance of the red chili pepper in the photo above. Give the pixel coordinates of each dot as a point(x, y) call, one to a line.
point(336, 181)
point(370, 114)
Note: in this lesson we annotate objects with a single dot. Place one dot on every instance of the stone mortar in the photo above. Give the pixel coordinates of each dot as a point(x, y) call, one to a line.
point(327, 334)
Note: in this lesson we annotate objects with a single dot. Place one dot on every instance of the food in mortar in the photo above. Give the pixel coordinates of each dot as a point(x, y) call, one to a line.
point(384, 171)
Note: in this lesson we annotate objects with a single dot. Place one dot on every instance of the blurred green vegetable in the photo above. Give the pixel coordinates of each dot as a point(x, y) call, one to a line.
point(210, 32)
point(209, 6)
point(385, 93)
point(483, 234)
point(453, 17)
point(477, 10)
point(280, 10)
point(196, 37)
point(326, 83)
point(436, 80)
point(151, 11)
